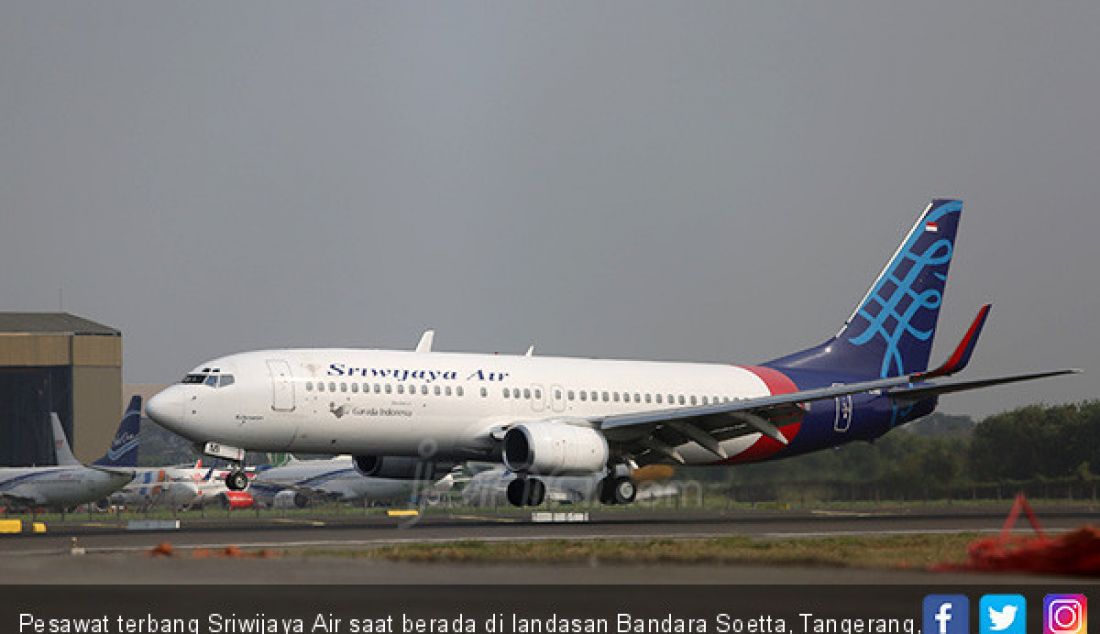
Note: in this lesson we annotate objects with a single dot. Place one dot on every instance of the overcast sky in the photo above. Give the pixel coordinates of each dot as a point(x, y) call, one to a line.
point(686, 181)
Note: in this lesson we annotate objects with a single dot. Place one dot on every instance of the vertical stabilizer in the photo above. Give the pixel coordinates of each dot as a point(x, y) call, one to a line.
point(63, 455)
point(123, 451)
point(891, 330)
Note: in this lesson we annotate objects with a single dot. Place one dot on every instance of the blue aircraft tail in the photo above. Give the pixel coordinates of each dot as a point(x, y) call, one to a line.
point(123, 451)
point(891, 330)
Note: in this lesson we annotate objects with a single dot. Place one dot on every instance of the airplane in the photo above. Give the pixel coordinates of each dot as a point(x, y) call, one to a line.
point(69, 483)
point(296, 482)
point(399, 413)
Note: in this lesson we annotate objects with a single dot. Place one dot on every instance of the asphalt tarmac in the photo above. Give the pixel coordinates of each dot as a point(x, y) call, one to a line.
point(115, 555)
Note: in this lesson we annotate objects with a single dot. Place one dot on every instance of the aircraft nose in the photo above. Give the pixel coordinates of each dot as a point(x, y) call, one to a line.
point(166, 408)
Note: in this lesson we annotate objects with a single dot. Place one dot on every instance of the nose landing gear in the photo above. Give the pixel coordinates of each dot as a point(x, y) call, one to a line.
point(236, 480)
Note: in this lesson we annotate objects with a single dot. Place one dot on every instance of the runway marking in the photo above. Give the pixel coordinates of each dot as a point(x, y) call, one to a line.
point(912, 531)
point(482, 518)
point(294, 522)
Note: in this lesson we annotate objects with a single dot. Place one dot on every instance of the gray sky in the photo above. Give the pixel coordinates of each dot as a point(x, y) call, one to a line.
point(697, 181)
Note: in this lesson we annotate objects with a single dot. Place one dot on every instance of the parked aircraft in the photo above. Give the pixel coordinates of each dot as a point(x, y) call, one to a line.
point(69, 483)
point(297, 482)
point(542, 416)
point(173, 486)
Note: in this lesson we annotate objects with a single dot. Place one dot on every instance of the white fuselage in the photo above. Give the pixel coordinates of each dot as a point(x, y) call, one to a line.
point(442, 405)
point(57, 487)
point(175, 487)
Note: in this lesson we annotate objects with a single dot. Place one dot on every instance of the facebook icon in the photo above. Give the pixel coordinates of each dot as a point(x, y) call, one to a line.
point(946, 614)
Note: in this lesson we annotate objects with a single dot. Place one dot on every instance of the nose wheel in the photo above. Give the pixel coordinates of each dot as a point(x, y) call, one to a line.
point(236, 480)
point(526, 492)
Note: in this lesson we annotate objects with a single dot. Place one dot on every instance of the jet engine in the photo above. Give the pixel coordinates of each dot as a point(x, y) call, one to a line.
point(287, 499)
point(233, 500)
point(554, 448)
point(400, 468)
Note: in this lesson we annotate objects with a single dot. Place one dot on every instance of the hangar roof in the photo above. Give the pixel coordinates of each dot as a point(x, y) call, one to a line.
point(53, 323)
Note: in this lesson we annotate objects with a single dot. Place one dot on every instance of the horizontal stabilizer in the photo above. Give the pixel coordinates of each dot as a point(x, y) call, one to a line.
point(920, 392)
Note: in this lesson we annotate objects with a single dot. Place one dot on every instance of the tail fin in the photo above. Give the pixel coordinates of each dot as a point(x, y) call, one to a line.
point(891, 330)
point(123, 451)
point(63, 455)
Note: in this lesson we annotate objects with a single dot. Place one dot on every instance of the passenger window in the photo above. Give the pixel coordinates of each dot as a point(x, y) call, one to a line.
point(584, 395)
point(557, 395)
point(424, 390)
point(637, 397)
point(606, 397)
point(320, 387)
point(571, 394)
point(355, 388)
point(693, 399)
point(615, 396)
point(594, 396)
point(389, 388)
point(484, 393)
point(400, 388)
point(438, 390)
point(527, 393)
point(681, 399)
point(448, 390)
point(309, 386)
point(538, 394)
point(343, 387)
point(671, 399)
point(332, 386)
point(505, 392)
point(458, 390)
point(648, 397)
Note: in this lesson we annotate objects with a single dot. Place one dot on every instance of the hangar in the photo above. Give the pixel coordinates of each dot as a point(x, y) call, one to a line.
point(62, 363)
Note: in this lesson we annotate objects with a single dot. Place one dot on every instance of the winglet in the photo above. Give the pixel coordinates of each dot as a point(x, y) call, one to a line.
point(961, 356)
point(426, 339)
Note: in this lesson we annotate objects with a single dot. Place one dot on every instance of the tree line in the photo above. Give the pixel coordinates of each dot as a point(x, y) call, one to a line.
point(1046, 451)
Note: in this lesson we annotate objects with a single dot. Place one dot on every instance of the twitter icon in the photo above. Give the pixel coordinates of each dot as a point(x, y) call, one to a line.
point(1002, 614)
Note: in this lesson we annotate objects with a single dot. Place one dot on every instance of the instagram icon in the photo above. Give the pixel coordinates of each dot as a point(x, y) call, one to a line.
point(1065, 614)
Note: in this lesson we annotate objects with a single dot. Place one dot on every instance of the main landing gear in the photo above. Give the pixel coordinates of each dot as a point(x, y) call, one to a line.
point(617, 490)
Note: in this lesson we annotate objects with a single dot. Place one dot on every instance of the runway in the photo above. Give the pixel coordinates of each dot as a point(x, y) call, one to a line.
point(111, 551)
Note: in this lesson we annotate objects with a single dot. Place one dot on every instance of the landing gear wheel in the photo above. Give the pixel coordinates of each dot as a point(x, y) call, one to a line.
point(624, 491)
point(236, 481)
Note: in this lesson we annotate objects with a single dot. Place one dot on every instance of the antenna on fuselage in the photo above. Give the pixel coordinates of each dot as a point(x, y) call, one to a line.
point(530, 351)
point(426, 339)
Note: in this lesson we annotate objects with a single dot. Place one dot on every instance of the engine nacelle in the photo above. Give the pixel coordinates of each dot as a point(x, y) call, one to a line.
point(400, 468)
point(287, 499)
point(554, 448)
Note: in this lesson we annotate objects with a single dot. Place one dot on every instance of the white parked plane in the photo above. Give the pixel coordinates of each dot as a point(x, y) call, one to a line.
point(68, 484)
point(545, 416)
point(296, 482)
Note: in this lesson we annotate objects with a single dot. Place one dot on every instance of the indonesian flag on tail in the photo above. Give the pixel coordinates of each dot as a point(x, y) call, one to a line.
point(932, 226)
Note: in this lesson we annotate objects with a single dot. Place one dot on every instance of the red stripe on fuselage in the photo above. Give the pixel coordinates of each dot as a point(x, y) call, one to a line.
point(764, 447)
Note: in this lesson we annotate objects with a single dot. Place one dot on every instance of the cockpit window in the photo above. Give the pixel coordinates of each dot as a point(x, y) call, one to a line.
point(227, 379)
point(212, 380)
point(194, 378)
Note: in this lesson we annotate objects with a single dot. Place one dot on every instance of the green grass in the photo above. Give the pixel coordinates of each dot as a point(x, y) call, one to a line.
point(893, 551)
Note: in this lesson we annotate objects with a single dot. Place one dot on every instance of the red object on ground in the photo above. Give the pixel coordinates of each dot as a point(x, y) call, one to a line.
point(1075, 553)
point(234, 500)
